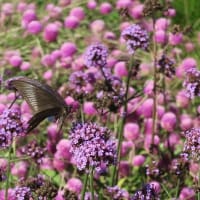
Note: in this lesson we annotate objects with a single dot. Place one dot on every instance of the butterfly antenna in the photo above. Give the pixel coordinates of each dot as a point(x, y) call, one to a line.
point(16, 96)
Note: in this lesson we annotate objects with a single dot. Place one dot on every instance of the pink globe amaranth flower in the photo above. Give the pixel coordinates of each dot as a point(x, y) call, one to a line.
point(34, 27)
point(7, 9)
point(91, 4)
point(108, 35)
point(124, 25)
point(53, 132)
point(175, 39)
point(171, 12)
point(48, 75)
point(58, 162)
point(54, 11)
point(148, 140)
point(160, 111)
point(147, 108)
point(15, 61)
point(97, 26)
point(161, 37)
point(78, 12)
point(120, 69)
point(21, 6)
point(124, 168)
point(89, 108)
point(105, 8)
point(131, 131)
point(25, 107)
point(68, 49)
point(36, 52)
point(145, 69)
point(148, 88)
point(187, 193)
point(48, 60)
point(156, 186)
point(66, 62)
point(56, 54)
point(188, 63)
point(46, 164)
point(172, 140)
point(123, 4)
point(64, 2)
point(168, 121)
point(20, 169)
point(126, 146)
point(63, 148)
point(71, 22)
point(51, 32)
point(186, 122)
point(3, 99)
point(194, 168)
point(182, 100)
point(25, 66)
point(162, 24)
point(74, 185)
point(60, 195)
point(111, 62)
point(138, 160)
point(189, 46)
point(28, 16)
point(11, 194)
point(3, 163)
point(137, 11)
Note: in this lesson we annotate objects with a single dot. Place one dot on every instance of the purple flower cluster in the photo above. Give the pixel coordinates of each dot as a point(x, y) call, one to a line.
point(192, 83)
point(11, 126)
point(136, 38)
point(148, 192)
point(117, 193)
point(22, 193)
point(166, 66)
point(96, 55)
point(192, 143)
point(92, 146)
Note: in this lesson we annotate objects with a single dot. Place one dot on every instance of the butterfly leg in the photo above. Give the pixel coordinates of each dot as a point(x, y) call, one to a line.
point(16, 96)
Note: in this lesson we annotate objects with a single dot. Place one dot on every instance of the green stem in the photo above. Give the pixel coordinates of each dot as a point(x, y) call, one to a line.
point(84, 186)
point(8, 172)
point(92, 183)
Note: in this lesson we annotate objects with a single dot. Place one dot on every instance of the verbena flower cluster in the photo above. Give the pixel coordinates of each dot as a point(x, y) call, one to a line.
point(136, 38)
point(192, 83)
point(96, 56)
point(11, 126)
point(22, 193)
point(192, 143)
point(166, 66)
point(148, 192)
point(92, 146)
point(116, 193)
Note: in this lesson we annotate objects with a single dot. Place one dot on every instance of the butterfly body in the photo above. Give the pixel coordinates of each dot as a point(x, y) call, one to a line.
point(43, 100)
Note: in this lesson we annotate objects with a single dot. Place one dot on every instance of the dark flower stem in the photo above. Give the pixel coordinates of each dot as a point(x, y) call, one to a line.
point(155, 86)
point(92, 183)
point(84, 186)
point(121, 128)
point(8, 171)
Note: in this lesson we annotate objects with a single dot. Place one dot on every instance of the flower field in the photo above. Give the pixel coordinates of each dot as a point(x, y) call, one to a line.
point(99, 100)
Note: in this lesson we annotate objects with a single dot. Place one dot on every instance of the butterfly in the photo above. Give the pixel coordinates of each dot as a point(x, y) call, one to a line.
point(43, 100)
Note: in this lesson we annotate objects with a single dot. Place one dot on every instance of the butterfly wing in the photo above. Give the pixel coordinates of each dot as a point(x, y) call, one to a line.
point(39, 96)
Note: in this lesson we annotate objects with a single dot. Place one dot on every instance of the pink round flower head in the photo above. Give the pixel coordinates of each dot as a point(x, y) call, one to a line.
point(48, 60)
point(89, 108)
point(186, 122)
point(15, 61)
point(137, 11)
point(189, 46)
point(34, 27)
point(126, 146)
point(78, 12)
point(97, 26)
point(122, 4)
point(64, 2)
point(162, 24)
point(20, 169)
point(51, 32)
point(124, 168)
point(3, 98)
point(71, 22)
point(63, 148)
point(74, 185)
point(2, 108)
point(175, 39)
point(22, 6)
point(168, 121)
point(58, 162)
point(120, 69)
point(28, 16)
point(131, 131)
point(105, 8)
point(68, 49)
point(188, 63)
point(171, 12)
point(25, 66)
point(91, 4)
point(48, 75)
point(156, 186)
point(187, 193)
point(138, 160)
point(56, 54)
point(182, 100)
point(147, 108)
point(161, 37)
point(7, 9)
